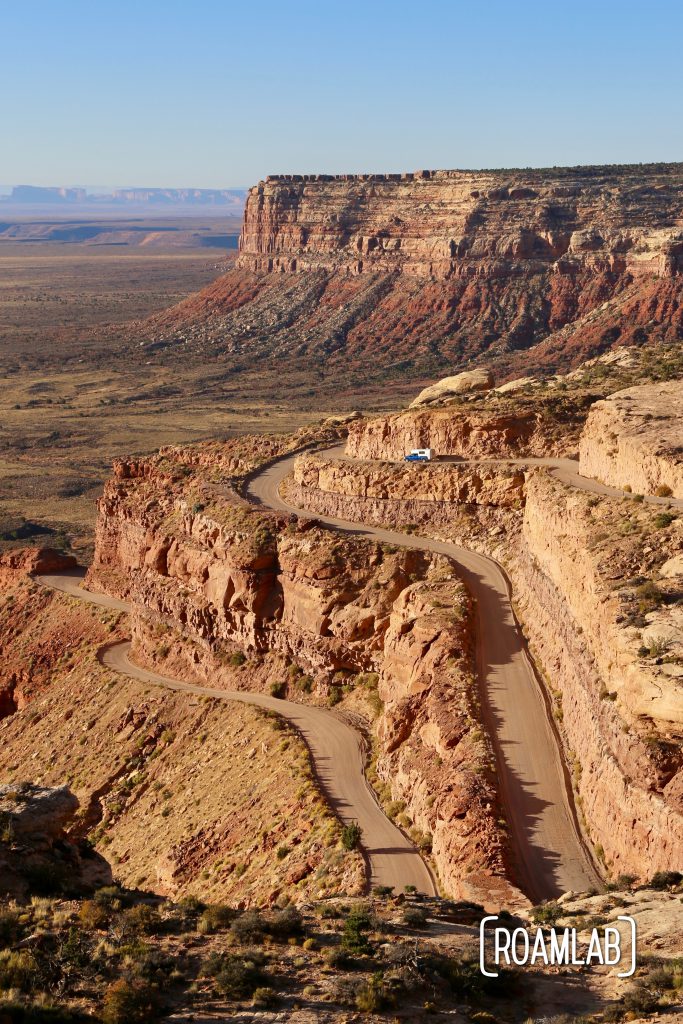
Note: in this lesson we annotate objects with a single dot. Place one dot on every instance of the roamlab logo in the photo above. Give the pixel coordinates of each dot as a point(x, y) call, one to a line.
point(554, 947)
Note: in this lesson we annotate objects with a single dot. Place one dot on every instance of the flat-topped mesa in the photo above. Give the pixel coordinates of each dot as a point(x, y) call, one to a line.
point(457, 223)
point(534, 270)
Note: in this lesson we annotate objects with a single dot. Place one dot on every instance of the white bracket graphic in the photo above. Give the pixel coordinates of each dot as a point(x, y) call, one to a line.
point(634, 935)
point(482, 946)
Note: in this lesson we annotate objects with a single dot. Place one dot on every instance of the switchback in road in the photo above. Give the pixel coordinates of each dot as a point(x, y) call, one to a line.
point(337, 752)
point(550, 855)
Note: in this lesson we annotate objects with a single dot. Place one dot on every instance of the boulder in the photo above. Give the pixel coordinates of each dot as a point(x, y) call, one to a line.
point(37, 810)
point(516, 385)
point(460, 384)
point(673, 567)
point(339, 421)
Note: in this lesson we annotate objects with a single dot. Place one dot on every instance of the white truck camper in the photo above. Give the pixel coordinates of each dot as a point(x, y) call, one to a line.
point(419, 455)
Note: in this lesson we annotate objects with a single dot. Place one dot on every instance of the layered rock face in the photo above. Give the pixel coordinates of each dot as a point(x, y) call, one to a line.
point(431, 753)
point(437, 268)
point(480, 485)
point(621, 710)
point(461, 431)
point(465, 224)
point(634, 438)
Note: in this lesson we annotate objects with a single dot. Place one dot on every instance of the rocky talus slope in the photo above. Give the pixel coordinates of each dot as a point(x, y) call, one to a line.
point(183, 795)
point(244, 599)
point(634, 439)
point(437, 268)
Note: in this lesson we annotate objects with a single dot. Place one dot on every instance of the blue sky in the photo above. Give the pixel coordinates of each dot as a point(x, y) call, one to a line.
point(217, 94)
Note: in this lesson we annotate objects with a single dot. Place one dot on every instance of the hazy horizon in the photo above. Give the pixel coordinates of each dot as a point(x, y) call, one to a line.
point(105, 190)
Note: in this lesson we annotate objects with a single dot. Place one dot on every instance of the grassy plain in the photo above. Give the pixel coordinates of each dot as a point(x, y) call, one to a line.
point(71, 396)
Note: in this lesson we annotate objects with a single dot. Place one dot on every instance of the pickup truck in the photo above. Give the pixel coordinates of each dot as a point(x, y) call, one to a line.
point(419, 455)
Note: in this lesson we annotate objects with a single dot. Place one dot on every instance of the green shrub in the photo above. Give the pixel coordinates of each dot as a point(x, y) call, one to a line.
point(215, 917)
point(185, 914)
point(373, 996)
point(328, 911)
point(423, 841)
point(640, 1000)
point(236, 976)
point(415, 917)
point(278, 690)
point(665, 879)
point(668, 977)
point(547, 913)
point(141, 919)
point(663, 519)
point(656, 646)
point(130, 1002)
point(375, 702)
point(383, 890)
point(94, 914)
point(265, 998)
point(335, 696)
point(17, 970)
point(356, 925)
point(248, 927)
point(337, 958)
point(237, 658)
point(286, 923)
point(351, 835)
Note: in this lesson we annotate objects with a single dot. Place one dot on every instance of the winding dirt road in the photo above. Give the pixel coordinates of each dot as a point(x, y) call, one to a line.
point(550, 854)
point(336, 750)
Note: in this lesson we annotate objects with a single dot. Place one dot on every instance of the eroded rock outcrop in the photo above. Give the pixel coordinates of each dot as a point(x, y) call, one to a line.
point(634, 439)
point(499, 429)
point(402, 486)
point(37, 856)
point(431, 753)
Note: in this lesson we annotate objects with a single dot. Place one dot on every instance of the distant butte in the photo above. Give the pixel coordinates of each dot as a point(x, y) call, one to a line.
point(441, 268)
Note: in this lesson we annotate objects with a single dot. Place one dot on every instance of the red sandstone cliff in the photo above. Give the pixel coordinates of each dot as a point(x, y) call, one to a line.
point(441, 267)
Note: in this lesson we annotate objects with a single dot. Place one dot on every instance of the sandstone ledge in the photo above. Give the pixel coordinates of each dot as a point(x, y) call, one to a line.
point(634, 438)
